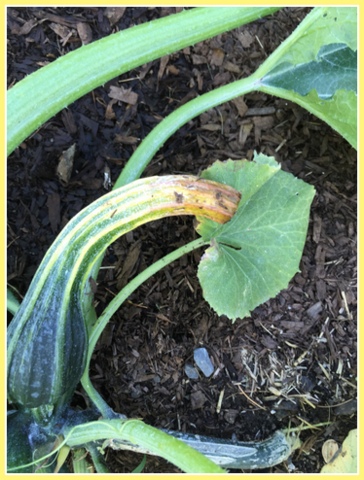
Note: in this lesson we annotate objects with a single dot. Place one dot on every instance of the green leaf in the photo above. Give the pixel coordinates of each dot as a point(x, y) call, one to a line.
point(340, 111)
point(256, 254)
point(335, 69)
point(346, 460)
point(315, 67)
point(141, 466)
point(322, 26)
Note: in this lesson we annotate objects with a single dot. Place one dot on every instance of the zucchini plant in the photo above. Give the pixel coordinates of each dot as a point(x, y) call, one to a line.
point(252, 217)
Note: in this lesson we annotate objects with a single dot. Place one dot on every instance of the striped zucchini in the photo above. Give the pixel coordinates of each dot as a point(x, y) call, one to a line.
point(47, 338)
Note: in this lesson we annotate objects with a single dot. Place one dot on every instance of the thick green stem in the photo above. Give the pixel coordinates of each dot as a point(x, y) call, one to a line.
point(114, 305)
point(98, 460)
point(150, 438)
point(41, 95)
point(167, 127)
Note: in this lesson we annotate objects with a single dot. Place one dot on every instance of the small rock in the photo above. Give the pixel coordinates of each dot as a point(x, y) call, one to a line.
point(197, 400)
point(315, 310)
point(191, 372)
point(230, 415)
point(203, 361)
point(348, 408)
point(307, 384)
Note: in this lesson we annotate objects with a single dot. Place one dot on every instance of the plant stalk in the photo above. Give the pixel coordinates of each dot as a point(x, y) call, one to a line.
point(175, 120)
point(112, 308)
point(140, 434)
point(39, 96)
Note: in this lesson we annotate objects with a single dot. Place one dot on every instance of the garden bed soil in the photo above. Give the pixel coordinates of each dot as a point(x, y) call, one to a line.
point(293, 362)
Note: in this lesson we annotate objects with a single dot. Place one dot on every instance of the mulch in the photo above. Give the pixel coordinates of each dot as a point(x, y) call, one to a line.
point(293, 362)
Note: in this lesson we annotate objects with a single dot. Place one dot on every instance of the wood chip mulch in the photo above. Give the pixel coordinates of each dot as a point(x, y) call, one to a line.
point(293, 363)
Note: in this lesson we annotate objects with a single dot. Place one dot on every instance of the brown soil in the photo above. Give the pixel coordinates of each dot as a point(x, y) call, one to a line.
point(293, 362)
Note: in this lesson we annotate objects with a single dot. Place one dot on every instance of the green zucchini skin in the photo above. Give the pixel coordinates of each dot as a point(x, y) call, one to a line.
point(50, 354)
point(241, 455)
point(19, 450)
point(25, 438)
point(47, 338)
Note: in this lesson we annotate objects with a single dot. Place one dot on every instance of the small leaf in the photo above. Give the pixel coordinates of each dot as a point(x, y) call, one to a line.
point(255, 254)
point(346, 460)
point(141, 466)
point(61, 458)
point(335, 69)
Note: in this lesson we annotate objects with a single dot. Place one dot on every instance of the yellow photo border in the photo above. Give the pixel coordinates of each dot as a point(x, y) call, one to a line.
point(4, 5)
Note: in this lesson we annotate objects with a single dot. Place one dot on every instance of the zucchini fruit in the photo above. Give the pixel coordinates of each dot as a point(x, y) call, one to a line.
point(47, 338)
